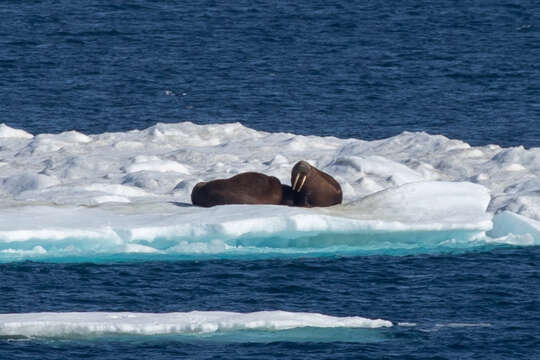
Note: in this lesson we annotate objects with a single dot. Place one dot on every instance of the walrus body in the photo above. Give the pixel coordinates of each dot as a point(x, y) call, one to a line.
point(311, 188)
point(245, 188)
point(314, 188)
point(289, 197)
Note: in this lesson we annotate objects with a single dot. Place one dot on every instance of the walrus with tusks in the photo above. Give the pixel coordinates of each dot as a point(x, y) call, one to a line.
point(311, 188)
point(314, 187)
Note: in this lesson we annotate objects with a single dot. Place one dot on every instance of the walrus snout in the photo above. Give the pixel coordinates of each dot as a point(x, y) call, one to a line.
point(302, 170)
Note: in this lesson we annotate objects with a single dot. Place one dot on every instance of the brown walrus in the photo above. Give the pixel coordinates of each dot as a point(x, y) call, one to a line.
point(313, 187)
point(245, 188)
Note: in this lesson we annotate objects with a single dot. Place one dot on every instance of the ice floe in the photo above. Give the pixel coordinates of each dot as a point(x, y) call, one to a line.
point(72, 324)
point(129, 192)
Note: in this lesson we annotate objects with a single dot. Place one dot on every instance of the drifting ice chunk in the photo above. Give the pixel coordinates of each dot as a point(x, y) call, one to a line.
point(98, 323)
point(160, 165)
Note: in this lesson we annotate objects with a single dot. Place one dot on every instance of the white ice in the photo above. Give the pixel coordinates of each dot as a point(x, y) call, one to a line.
point(130, 191)
point(71, 324)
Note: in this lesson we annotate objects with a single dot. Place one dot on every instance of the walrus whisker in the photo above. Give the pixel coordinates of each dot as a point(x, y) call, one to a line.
point(295, 181)
point(302, 183)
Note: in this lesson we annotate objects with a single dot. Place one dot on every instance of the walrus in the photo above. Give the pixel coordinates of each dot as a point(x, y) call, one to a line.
point(314, 187)
point(244, 188)
point(311, 188)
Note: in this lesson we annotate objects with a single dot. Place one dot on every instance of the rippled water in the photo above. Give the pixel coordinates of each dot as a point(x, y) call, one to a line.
point(474, 305)
point(348, 69)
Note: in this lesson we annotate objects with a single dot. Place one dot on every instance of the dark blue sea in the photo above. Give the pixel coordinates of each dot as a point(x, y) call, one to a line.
point(469, 70)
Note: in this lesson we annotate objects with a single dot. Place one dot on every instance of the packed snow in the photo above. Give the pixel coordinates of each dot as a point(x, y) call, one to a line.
point(74, 194)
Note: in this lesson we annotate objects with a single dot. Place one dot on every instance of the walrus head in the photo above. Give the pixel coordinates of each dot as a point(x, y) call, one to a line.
point(314, 187)
point(199, 185)
point(302, 170)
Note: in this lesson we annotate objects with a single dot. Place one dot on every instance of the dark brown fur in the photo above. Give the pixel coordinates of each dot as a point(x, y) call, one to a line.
point(289, 196)
point(319, 188)
point(245, 188)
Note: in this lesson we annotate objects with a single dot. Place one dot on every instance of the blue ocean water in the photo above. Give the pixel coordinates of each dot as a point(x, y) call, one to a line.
point(365, 69)
point(468, 306)
point(468, 70)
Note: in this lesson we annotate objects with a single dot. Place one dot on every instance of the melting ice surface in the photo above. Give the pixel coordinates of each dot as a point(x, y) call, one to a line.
point(70, 196)
point(225, 325)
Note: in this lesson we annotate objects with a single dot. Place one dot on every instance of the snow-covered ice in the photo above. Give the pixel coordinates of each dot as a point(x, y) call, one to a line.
point(75, 194)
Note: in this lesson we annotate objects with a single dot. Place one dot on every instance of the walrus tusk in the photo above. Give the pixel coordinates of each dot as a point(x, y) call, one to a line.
point(302, 183)
point(295, 181)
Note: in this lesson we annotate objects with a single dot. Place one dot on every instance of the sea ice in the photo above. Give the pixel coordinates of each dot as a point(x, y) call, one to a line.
point(65, 191)
point(196, 322)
